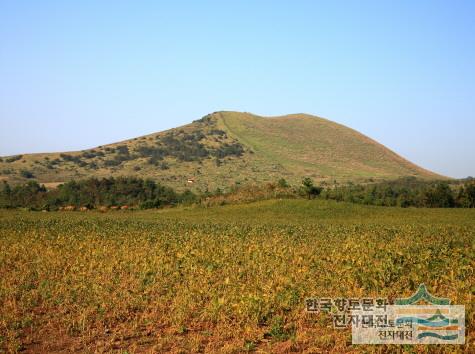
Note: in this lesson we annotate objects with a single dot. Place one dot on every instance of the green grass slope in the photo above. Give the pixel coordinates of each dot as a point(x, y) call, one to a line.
point(309, 145)
point(223, 149)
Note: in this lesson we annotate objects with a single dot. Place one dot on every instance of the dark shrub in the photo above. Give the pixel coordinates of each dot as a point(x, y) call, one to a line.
point(26, 174)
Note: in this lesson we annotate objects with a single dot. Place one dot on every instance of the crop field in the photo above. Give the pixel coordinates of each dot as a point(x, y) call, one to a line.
point(225, 279)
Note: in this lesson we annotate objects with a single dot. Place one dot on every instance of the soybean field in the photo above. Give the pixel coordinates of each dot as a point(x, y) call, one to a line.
point(225, 279)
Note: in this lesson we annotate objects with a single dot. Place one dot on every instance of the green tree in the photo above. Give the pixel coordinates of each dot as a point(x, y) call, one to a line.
point(282, 183)
point(26, 174)
point(440, 196)
point(470, 193)
point(309, 189)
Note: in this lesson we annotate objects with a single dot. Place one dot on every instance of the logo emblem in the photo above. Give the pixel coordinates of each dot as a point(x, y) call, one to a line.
point(419, 319)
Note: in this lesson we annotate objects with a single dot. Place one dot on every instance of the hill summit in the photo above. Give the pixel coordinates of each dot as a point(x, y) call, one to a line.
point(223, 149)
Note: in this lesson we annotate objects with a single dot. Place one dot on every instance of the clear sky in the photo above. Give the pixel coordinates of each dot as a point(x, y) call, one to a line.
point(77, 74)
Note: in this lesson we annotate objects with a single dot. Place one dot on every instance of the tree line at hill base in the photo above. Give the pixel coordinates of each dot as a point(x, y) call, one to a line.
point(133, 192)
point(93, 193)
point(408, 192)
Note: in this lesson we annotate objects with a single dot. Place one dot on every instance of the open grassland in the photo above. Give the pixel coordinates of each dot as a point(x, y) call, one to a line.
point(225, 279)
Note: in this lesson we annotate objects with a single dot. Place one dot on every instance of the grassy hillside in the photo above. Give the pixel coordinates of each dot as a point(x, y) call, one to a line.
point(309, 145)
point(220, 280)
point(222, 149)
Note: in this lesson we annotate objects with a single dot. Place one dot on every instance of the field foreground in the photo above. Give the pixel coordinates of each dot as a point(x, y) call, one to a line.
point(224, 279)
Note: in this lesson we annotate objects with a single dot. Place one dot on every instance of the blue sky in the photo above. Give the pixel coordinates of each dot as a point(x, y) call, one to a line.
point(79, 74)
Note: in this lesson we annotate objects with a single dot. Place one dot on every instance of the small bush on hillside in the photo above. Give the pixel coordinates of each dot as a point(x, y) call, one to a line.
point(13, 158)
point(112, 163)
point(122, 149)
point(282, 183)
point(71, 158)
point(89, 154)
point(164, 166)
point(234, 149)
point(26, 174)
